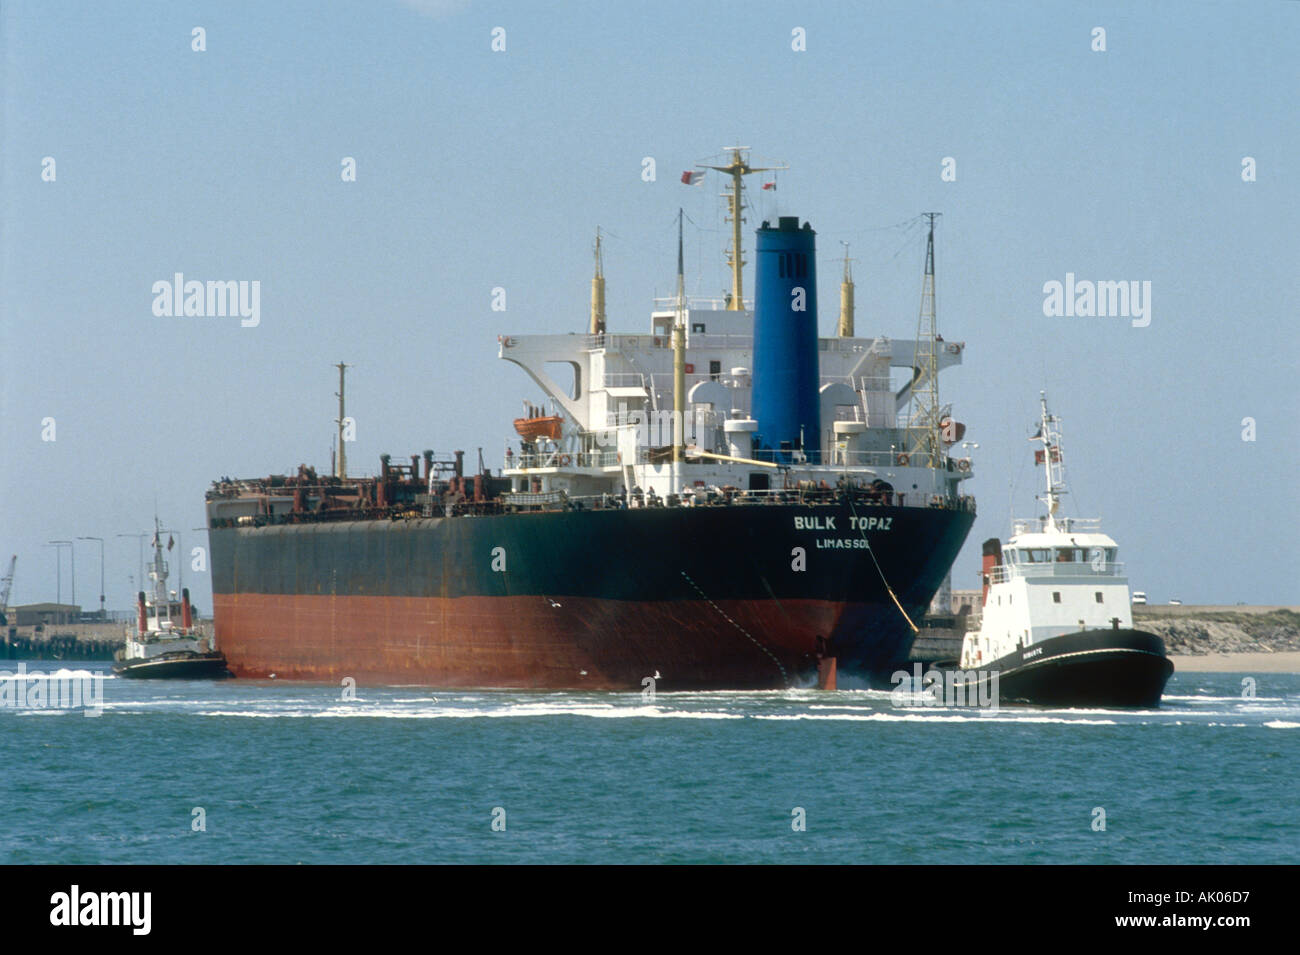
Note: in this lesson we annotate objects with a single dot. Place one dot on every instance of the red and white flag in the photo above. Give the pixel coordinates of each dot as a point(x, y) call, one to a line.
point(770, 185)
point(693, 178)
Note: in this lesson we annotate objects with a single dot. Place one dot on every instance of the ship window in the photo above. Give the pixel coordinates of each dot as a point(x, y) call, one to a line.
point(1038, 555)
point(697, 328)
point(1056, 596)
point(1099, 600)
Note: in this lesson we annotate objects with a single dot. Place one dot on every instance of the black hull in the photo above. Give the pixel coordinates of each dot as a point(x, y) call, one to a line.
point(208, 666)
point(715, 597)
point(1105, 668)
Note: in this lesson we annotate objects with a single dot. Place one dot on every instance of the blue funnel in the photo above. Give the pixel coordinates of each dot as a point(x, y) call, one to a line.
point(786, 375)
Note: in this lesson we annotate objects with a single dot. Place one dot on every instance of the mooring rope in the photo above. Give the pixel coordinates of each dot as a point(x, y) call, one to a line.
point(888, 589)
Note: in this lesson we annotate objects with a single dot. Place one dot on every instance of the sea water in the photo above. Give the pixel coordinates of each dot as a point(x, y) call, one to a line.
point(242, 771)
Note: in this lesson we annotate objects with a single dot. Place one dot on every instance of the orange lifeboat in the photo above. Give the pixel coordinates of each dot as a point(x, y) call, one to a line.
point(530, 429)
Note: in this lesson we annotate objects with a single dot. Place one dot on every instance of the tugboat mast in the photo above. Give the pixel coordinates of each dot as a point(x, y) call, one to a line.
point(1049, 434)
point(737, 169)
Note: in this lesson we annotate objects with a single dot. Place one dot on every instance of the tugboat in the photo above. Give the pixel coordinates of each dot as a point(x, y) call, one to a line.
point(157, 648)
point(1056, 626)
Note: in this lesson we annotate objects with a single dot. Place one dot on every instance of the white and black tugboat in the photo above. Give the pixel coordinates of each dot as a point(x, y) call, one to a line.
point(1056, 625)
point(156, 647)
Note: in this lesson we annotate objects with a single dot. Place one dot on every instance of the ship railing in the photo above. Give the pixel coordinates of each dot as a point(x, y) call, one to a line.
point(808, 495)
point(624, 379)
point(701, 303)
point(564, 459)
point(880, 461)
point(883, 460)
point(1032, 525)
point(1059, 568)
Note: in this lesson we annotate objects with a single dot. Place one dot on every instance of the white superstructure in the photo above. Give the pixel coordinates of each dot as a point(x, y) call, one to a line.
point(614, 393)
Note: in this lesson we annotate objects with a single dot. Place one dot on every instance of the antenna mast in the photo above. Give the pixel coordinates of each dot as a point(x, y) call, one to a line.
point(737, 169)
point(928, 439)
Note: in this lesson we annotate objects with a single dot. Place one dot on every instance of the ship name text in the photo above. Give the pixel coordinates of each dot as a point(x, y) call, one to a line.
point(856, 523)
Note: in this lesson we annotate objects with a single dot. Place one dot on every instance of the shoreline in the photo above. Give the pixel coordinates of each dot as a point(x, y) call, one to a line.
point(1284, 661)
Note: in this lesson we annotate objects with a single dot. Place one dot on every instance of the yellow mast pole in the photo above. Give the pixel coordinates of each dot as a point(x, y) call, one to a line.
point(598, 293)
point(846, 298)
point(737, 169)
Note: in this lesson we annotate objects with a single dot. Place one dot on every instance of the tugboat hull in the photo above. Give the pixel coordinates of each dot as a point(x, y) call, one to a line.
point(1110, 668)
point(207, 666)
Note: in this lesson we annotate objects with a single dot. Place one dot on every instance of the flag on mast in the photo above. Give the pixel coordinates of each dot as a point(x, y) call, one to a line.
point(693, 178)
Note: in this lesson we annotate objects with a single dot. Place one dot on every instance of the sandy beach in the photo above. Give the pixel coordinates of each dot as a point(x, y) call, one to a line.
point(1281, 662)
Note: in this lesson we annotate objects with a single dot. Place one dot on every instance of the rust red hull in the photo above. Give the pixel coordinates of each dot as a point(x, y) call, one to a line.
point(526, 642)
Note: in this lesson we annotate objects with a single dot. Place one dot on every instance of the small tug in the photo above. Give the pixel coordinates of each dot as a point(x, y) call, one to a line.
point(1056, 625)
point(157, 648)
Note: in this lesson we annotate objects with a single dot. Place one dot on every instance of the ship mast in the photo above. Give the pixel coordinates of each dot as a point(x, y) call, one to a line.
point(158, 576)
point(598, 293)
point(928, 439)
point(679, 365)
point(737, 169)
point(1049, 434)
point(846, 297)
point(340, 465)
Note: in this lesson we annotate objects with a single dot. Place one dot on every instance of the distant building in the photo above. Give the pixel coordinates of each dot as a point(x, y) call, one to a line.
point(966, 602)
point(49, 614)
point(960, 603)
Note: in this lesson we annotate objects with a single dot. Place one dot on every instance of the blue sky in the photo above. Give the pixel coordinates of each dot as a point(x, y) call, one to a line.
point(478, 169)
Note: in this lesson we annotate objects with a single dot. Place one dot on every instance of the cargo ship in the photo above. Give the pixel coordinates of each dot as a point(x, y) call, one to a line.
point(723, 501)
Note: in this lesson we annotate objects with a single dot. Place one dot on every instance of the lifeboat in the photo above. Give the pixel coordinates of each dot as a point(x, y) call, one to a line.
point(530, 429)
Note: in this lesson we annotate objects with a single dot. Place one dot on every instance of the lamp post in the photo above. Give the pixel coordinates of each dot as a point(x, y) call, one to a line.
point(102, 616)
point(58, 563)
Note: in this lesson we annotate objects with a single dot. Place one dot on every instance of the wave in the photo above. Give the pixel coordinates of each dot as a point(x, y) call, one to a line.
point(999, 716)
point(529, 710)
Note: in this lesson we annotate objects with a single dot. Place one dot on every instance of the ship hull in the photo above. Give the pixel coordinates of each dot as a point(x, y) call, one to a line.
point(709, 597)
point(206, 666)
point(1108, 668)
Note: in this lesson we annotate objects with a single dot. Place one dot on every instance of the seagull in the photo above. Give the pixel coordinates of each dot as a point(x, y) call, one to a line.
point(553, 603)
point(656, 676)
point(582, 673)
